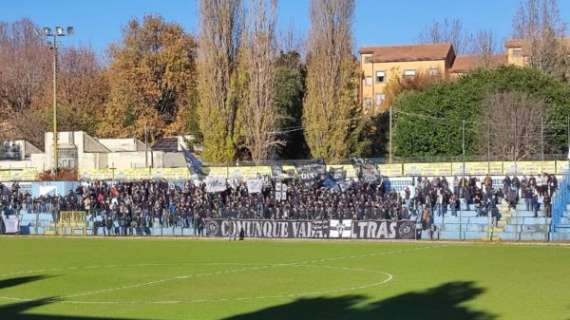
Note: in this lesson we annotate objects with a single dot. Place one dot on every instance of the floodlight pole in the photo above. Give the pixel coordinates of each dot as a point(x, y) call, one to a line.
point(54, 34)
point(55, 137)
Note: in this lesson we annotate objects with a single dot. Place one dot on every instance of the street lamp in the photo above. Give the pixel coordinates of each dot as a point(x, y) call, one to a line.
point(47, 32)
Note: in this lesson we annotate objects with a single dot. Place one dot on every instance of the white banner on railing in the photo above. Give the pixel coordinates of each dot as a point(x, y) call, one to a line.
point(215, 184)
point(254, 185)
point(11, 224)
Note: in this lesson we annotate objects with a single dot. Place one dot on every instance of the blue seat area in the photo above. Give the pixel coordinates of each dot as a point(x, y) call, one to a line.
point(563, 228)
point(447, 235)
point(534, 236)
point(524, 213)
point(530, 220)
point(560, 236)
point(32, 223)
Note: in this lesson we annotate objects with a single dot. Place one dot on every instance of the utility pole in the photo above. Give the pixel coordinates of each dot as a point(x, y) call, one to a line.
point(488, 146)
point(53, 35)
point(390, 136)
point(542, 138)
point(463, 144)
point(515, 149)
point(568, 134)
point(145, 147)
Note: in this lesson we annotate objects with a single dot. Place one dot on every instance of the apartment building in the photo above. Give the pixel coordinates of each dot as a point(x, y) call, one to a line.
point(379, 65)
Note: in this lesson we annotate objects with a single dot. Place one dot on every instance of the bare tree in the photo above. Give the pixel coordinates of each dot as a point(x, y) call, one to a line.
point(330, 106)
point(292, 40)
point(448, 30)
point(484, 43)
point(539, 26)
point(219, 43)
point(511, 126)
point(259, 114)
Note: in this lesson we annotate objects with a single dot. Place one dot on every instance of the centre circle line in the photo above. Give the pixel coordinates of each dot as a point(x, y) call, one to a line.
point(258, 267)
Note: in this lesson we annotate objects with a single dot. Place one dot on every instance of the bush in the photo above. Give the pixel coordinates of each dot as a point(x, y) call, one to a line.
point(62, 174)
point(429, 122)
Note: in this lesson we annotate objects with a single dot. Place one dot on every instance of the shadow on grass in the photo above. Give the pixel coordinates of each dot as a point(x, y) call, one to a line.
point(440, 303)
point(20, 310)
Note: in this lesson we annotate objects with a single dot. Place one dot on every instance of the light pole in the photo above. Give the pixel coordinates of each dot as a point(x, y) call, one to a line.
point(54, 34)
point(463, 145)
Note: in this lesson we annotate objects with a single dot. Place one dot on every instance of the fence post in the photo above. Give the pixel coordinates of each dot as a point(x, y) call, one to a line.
point(37, 222)
point(460, 225)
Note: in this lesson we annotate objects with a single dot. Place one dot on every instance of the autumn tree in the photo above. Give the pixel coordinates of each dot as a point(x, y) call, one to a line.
point(25, 67)
point(152, 79)
point(220, 35)
point(331, 113)
point(397, 85)
point(82, 89)
point(539, 26)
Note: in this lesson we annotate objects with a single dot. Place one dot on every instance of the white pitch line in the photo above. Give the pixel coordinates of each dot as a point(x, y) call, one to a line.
point(115, 266)
point(389, 277)
point(146, 284)
point(181, 277)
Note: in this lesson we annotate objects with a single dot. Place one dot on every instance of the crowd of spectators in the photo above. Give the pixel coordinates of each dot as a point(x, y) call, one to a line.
point(123, 206)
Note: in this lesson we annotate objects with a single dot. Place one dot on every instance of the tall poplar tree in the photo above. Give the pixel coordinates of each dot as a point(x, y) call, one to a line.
point(219, 44)
point(259, 113)
point(331, 116)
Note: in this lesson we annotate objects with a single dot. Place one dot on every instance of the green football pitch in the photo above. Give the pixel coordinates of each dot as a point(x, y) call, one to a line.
point(81, 278)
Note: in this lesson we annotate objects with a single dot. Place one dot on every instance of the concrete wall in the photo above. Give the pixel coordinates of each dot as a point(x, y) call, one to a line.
point(125, 145)
point(174, 160)
point(91, 144)
point(30, 149)
point(92, 160)
point(94, 154)
point(39, 161)
point(15, 164)
point(126, 160)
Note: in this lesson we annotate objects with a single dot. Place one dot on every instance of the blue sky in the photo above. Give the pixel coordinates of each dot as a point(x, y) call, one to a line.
point(377, 22)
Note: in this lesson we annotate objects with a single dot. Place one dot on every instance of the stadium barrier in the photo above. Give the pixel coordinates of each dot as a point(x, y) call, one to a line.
point(312, 229)
point(478, 168)
point(465, 225)
point(481, 168)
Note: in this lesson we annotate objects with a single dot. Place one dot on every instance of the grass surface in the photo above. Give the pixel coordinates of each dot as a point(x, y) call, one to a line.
point(73, 278)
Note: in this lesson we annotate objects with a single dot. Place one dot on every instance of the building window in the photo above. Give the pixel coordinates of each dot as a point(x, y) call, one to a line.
point(380, 76)
point(368, 81)
point(410, 73)
point(434, 72)
point(380, 97)
point(367, 59)
point(517, 52)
